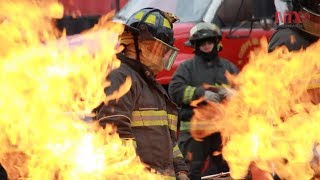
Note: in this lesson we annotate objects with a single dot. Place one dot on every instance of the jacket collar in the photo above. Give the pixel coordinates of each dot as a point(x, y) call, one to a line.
point(216, 61)
point(137, 66)
point(144, 72)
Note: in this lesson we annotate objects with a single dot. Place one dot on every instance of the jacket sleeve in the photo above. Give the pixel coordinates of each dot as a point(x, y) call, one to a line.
point(233, 69)
point(289, 38)
point(118, 112)
point(3, 173)
point(180, 89)
point(178, 160)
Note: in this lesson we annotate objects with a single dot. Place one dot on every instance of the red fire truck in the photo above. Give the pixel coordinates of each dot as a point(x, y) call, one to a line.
point(80, 15)
point(91, 8)
point(243, 22)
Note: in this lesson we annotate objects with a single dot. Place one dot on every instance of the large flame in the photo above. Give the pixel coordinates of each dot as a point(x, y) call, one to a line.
point(46, 84)
point(271, 121)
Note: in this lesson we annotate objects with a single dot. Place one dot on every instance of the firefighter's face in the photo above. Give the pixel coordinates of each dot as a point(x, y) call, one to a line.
point(156, 50)
point(206, 46)
point(152, 55)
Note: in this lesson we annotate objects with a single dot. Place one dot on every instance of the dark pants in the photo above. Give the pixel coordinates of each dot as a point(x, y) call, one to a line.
point(197, 153)
point(3, 174)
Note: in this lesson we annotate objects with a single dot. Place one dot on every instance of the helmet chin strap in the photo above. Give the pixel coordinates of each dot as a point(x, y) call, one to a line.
point(136, 47)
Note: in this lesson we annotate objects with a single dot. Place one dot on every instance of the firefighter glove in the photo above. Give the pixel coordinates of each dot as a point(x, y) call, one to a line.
point(212, 96)
point(182, 176)
point(226, 93)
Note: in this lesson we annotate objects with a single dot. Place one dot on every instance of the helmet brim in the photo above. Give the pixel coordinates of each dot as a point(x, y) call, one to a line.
point(311, 6)
point(131, 29)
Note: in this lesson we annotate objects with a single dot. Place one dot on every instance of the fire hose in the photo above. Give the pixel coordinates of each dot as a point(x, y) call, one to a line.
point(224, 175)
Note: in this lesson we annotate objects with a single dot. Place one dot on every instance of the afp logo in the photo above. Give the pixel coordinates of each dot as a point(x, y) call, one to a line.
point(291, 17)
point(285, 14)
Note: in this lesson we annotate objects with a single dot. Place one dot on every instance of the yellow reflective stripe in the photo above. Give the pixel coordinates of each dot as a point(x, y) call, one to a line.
point(128, 142)
point(151, 19)
point(169, 177)
point(134, 143)
point(154, 118)
point(219, 46)
point(149, 118)
point(166, 23)
point(176, 151)
point(218, 86)
point(315, 82)
point(149, 113)
point(139, 15)
point(149, 123)
point(184, 125)
point(188, 93)
point(173, 122)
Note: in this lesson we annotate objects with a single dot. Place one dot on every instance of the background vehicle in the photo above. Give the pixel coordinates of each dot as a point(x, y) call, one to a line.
point(243, 23)
point(80, 15)
point(91, 8)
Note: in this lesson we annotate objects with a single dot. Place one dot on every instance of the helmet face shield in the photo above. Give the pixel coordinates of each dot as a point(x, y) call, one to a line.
point(160, 52)
point(170, 56)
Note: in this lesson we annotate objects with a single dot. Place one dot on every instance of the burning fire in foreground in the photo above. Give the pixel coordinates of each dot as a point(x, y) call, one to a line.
point(271, 120)
point(41, 79)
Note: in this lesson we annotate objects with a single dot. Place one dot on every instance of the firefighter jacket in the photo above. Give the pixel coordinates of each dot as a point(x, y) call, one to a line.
point(3, 173)
point(146, 114)
point(295, 39)
point(186, 84)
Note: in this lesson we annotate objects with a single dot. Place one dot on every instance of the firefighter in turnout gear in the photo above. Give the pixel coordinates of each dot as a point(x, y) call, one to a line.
point(145, 113)
point(189, 83)
point(297, 36)
point(3, 173)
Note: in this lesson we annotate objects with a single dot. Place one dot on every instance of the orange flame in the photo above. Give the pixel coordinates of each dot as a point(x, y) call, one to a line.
point(45, 86)
point(271, 121)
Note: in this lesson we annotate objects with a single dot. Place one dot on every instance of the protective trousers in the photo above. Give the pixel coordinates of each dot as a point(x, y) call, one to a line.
point(3, 173)
point(200, 155)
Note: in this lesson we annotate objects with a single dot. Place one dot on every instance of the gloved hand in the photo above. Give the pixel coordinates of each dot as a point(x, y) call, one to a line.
point(182, 176)
point(212, 96)
point(226, 93)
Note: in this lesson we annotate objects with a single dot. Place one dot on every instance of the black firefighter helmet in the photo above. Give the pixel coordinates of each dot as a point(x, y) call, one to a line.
point(311, 6)
point(309, 11)
point(155, 24)
point(205, 30)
